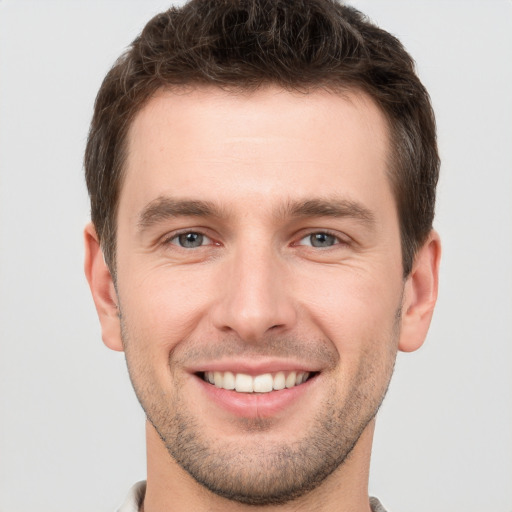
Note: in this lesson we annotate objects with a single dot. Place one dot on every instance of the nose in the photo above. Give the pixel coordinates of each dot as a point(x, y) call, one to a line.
point(255, 296)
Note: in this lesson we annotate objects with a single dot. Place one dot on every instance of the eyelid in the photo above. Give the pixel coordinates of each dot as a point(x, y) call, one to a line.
point(341, 239)
point(170, 237)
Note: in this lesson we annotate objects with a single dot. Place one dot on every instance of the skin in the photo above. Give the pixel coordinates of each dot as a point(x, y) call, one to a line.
point(256, 295)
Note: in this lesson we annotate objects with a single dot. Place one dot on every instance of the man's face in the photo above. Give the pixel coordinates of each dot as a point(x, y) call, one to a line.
point(258, 242)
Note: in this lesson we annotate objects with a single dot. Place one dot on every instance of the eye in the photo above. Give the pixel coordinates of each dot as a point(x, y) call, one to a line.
point(319, 239)
point(190, 240)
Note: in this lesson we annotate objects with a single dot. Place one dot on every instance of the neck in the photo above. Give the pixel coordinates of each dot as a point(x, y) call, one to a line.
point(170, 487)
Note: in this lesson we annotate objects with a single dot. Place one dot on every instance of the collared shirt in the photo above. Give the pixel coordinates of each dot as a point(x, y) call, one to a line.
point(135, 498)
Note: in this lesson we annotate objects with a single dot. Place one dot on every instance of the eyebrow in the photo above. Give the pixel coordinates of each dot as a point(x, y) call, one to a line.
point(334, 207)
point(163, 208)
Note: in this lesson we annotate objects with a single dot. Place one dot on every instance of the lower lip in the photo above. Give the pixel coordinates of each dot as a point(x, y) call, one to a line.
point(255, 405)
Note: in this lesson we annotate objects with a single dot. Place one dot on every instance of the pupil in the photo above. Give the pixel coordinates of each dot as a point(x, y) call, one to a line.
point(322, 240)
point(191, 240)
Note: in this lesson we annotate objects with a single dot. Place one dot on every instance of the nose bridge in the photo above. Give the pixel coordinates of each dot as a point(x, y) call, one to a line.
point(255, 298)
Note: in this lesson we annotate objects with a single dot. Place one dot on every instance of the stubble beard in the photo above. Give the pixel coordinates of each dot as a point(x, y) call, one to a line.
point(257, 472)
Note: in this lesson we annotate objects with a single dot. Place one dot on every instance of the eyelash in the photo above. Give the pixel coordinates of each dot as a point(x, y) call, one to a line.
point(175, 236)
point(338, 240)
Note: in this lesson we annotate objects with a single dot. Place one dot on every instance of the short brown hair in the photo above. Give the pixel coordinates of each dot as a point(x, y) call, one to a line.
point(296, 44)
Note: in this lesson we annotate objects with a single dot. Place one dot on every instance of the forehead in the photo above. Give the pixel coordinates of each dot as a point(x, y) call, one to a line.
point(211, 144)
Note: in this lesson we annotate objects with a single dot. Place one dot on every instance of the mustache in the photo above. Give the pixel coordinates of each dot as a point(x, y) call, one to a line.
point(321, 352)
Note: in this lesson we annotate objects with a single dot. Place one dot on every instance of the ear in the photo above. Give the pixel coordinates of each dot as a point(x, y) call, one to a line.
point(420, 294)
point(102, 289)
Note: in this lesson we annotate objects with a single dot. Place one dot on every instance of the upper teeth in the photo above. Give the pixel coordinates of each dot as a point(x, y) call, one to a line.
point(264, 383)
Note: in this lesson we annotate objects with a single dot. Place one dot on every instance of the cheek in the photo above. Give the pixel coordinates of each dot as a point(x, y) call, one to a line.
point(161, 308)
point(359, 317)
point(356, 309)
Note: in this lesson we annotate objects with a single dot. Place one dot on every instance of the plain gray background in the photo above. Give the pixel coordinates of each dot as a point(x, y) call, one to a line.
point(71, 431)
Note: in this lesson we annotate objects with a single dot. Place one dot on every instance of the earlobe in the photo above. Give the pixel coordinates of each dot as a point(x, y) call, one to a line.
point(420, 295)
point(102, 288)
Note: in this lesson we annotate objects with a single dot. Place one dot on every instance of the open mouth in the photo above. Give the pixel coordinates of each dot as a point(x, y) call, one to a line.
point(264, 383)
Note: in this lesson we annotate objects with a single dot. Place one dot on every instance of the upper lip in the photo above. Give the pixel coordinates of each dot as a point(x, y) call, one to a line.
point(254, 367)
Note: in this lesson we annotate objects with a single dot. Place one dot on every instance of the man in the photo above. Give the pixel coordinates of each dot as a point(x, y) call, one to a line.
point(262, 179)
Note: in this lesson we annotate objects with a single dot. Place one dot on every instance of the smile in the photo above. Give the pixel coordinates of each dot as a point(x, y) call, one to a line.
point(264, 383)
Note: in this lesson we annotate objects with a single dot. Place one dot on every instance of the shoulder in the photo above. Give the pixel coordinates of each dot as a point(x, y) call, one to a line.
point(376, 505)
